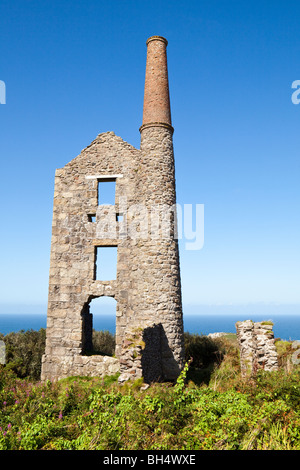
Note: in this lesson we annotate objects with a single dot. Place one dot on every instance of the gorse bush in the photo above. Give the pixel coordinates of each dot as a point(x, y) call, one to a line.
point(212, 359)
point(103, 343)
point(24, 351)
point(202, 349)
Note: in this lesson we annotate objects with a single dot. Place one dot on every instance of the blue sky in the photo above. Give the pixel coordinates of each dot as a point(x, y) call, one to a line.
point(74, 69)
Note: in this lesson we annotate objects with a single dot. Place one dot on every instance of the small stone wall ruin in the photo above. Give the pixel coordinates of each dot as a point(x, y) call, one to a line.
point(257, 347)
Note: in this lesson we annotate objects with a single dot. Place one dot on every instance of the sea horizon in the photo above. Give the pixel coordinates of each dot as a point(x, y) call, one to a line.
point(285, 326)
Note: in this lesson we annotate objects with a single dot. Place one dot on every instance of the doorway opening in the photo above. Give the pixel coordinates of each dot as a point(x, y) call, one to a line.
point(99, 326)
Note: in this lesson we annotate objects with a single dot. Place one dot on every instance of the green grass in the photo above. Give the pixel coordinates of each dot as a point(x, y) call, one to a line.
point(209, 407)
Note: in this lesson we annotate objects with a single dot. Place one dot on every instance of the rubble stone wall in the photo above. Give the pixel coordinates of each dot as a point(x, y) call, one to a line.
point(257, 347)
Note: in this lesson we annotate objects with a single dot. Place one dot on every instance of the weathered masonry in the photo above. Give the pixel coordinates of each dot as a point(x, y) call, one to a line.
point(146, 285)
point(257, 347)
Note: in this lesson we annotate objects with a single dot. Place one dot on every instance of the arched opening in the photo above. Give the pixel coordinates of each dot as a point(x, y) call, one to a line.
point(99, 326)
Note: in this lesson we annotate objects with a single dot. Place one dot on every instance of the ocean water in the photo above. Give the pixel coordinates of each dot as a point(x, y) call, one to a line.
point(285, 326)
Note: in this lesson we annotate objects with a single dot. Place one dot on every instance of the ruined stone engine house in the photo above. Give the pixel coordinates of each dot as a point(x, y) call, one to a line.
point(147, 288)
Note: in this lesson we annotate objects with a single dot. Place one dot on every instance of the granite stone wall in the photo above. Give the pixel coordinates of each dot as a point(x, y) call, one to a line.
point(72, 283)
point(257, 347)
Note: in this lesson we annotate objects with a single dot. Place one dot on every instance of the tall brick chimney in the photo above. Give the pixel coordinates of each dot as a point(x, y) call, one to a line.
point(157, 278)
point(156, 95)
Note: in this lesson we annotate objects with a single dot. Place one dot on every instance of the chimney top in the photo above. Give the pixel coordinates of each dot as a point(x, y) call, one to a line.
point(157, 38)
point(156, 111)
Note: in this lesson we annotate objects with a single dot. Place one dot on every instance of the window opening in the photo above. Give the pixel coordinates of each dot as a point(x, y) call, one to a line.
point(105, 263)
point(106, 192)
point(92, 217)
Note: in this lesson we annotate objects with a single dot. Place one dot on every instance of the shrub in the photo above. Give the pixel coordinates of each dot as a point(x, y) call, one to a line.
point(104, 343)
point(24, 351)
point(284, 351)
point(203, 350)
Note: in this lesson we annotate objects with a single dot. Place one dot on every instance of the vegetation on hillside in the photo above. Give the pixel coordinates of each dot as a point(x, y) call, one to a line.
point(209, 407)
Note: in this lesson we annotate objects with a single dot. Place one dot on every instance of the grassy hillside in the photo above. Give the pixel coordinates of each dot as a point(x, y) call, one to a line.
point(209, 407)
